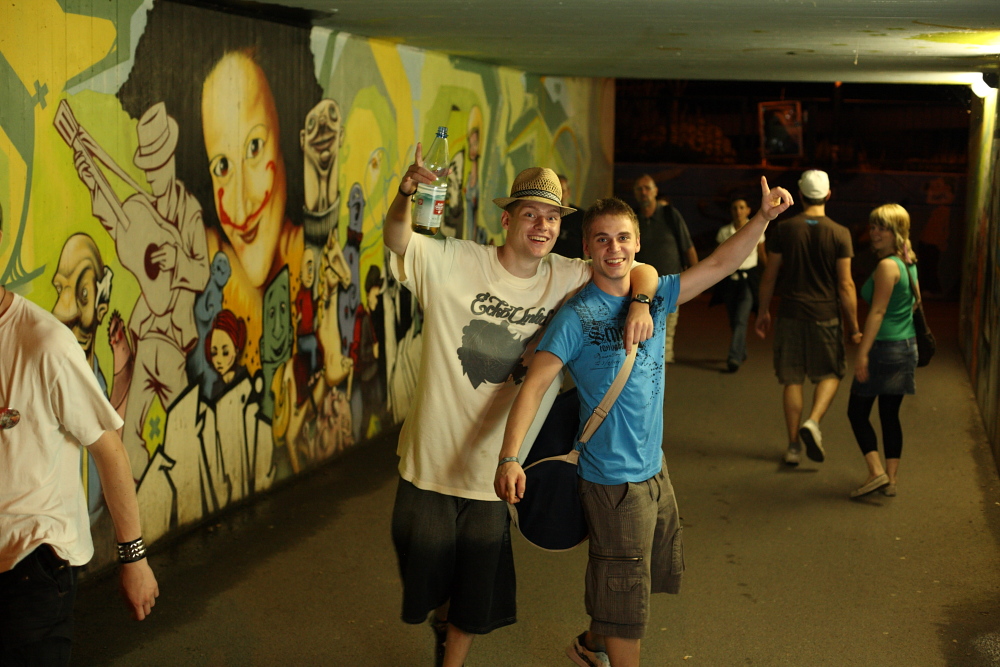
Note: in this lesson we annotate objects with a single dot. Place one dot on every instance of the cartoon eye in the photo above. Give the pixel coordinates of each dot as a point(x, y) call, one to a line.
point(84, 296)
point(310, 123)
point(220, 167)
point(254, 147)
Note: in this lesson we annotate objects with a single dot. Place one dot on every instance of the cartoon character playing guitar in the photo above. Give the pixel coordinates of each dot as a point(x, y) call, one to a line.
point(160, 239)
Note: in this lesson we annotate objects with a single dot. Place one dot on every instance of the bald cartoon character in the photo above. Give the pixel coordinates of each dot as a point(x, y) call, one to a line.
point(83, 292)
point(321, 139)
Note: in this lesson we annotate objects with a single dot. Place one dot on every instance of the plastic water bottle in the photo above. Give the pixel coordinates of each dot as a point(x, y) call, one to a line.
point(429, 200)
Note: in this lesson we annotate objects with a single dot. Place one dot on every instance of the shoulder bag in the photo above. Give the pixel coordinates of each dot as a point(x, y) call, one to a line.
point(550, 514)
point(926, 343)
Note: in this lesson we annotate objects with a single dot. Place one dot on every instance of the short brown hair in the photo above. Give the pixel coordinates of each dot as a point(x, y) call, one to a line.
point(609, 206)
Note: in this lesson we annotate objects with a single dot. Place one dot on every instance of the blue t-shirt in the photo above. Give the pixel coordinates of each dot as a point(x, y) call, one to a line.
point(586, 334)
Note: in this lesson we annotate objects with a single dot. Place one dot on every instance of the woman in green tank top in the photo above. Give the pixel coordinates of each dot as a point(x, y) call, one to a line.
point(887, 356)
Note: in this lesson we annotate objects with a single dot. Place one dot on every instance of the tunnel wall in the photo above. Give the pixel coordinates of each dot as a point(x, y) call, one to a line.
point(979, 326)
point(200, 196)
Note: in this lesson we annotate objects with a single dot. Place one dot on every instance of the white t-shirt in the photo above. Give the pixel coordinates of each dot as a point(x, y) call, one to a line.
point(45, 376)
point(751, 260)
point(479, 335)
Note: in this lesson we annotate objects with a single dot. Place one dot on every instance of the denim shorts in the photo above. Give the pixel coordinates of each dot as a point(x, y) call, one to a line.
point(454, 549)
point(891, 367)
point(635, 549)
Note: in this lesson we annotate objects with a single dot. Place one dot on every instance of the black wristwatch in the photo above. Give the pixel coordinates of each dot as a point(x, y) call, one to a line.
point(641, 298)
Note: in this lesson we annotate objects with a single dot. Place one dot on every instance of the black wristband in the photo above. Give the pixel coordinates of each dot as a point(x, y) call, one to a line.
point(404, 194)
point(130, 552)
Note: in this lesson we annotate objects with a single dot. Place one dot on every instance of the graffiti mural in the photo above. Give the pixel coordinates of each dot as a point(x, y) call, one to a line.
point(208, 223)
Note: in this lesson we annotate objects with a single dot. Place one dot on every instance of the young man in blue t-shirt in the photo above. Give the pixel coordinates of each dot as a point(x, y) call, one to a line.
point(626, 494)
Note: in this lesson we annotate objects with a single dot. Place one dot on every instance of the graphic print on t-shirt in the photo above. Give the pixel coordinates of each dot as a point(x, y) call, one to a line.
point(603, 347)
point(492, 352)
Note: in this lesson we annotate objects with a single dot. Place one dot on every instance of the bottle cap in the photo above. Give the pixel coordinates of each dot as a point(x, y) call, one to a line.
point(442, 132)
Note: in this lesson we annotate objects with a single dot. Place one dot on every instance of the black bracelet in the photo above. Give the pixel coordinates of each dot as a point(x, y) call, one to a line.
point(130, 552)
point(404, 194)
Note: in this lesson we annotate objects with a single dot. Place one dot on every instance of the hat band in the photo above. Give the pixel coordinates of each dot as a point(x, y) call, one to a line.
point(532, 192)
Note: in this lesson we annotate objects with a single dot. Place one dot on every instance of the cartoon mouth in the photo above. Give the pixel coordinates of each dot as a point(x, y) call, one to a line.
point(323, 142)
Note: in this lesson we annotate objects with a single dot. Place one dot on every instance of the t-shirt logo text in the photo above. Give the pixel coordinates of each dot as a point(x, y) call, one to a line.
point(491, 306)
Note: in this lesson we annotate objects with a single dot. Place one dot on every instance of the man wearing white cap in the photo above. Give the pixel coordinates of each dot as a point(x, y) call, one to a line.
point(484, 308)
point(809, 267)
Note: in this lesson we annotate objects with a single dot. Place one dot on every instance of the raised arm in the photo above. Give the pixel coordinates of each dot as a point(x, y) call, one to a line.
point(849, 297)
point(509, 480)
point(728, 256)
point(767, 283)
point(138, 584)
point(397, 230)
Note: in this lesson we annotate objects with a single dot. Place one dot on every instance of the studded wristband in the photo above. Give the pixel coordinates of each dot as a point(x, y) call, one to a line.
point(130, 552)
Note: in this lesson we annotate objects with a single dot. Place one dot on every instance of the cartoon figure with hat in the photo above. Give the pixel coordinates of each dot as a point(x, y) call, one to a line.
point(160, 239)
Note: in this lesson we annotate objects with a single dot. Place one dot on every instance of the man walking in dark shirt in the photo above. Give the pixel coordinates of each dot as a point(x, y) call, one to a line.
point(666, 243)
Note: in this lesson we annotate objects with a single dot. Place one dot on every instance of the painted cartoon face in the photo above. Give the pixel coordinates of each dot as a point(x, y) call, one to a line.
point(308, 268)
point(322, 136)
point(276, 343)
point(242, 140)
point(223, 352)
point(75, 282)
point(220, 269)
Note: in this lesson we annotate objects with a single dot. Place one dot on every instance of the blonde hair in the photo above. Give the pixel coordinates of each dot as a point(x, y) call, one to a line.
point(894, 218)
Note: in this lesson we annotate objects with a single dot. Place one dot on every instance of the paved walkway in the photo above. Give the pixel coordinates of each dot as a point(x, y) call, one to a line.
point(782, 568)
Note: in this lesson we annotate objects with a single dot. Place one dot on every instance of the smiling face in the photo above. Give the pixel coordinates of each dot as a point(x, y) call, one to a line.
point(532, 229)
point(883, 239)
point(611, 242)
point(241, 131)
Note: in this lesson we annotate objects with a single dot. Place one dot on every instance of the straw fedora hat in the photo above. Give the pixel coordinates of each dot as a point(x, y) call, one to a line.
point(157, 134)
point(536, 184)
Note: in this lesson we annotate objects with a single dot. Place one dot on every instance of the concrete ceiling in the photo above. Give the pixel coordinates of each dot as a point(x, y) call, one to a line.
point(914, 41)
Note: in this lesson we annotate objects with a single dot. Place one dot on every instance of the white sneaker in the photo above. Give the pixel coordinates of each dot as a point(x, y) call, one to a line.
point(792, 455)
point(583, 656)
point(810, 434)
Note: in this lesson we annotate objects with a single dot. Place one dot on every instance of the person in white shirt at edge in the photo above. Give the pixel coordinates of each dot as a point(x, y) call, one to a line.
point(44, 525)
point(483, 308)
point(626, 495)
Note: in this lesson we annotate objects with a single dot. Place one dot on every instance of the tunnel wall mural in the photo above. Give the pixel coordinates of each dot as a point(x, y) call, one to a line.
point(979, 325)
point(199, 196)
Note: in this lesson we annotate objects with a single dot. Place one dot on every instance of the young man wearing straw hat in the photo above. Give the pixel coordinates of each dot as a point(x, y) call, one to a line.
point(628, 500)
point(483, 308)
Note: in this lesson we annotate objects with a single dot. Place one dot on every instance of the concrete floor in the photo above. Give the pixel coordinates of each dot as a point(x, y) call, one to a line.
point(782, 568)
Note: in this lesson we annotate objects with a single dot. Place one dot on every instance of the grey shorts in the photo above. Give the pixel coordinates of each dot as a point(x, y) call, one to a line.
point(892, 365)
point(635, 549)
point(454, 549)
point(808, 349)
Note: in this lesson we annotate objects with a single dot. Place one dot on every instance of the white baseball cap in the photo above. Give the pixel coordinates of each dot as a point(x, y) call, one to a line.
point(814, 184)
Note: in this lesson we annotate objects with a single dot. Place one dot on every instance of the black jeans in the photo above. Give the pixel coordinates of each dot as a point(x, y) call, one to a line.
point(36, 611)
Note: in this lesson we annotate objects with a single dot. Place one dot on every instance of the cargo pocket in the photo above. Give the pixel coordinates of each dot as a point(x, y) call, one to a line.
point(621, 594)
